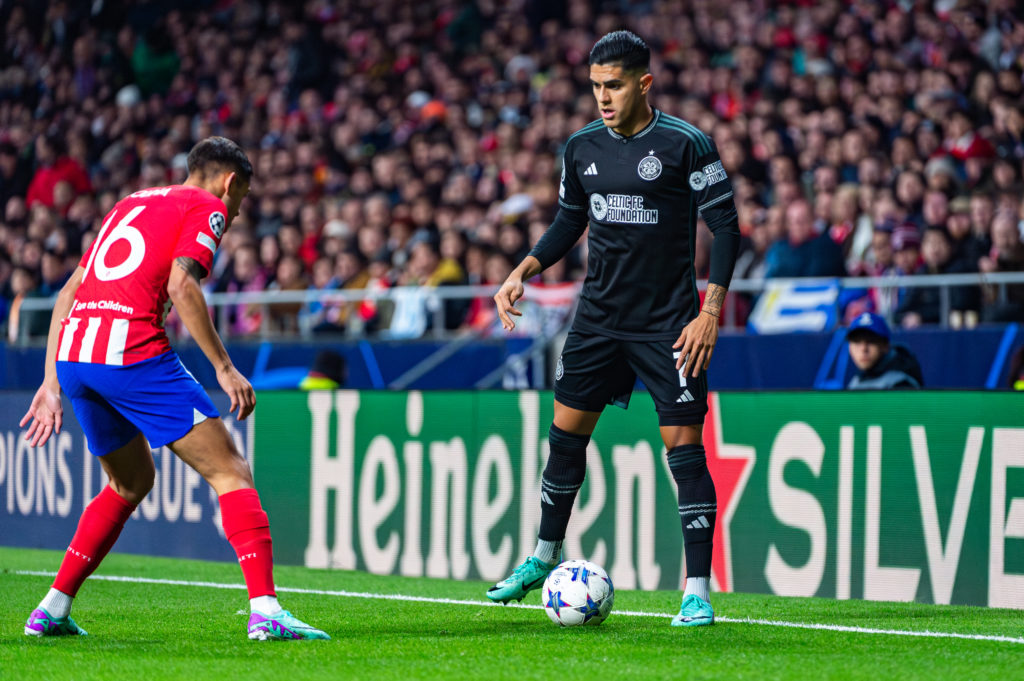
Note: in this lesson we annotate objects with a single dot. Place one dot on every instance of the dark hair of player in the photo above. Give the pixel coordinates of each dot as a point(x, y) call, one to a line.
point(218, 154)
point(624, 48)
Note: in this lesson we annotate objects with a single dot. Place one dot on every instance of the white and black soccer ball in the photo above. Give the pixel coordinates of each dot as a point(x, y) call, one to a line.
point(578, 592)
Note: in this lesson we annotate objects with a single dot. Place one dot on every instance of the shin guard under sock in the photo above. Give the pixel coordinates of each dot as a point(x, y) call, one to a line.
point(697, 506)
point(98, 528)
point(248, 531)
point(562, 479)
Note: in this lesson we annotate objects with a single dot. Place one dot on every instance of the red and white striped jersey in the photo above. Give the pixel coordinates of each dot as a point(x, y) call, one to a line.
point(118, 313)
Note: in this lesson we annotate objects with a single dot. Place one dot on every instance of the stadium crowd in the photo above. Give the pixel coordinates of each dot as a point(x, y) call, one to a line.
point(418, 143)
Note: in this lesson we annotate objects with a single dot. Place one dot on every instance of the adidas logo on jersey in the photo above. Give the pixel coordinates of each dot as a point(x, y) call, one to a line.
point(701, 523)
point(591, 169)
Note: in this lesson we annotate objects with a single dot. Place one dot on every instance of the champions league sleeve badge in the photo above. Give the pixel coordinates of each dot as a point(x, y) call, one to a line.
point(649, 168)
point(217, 223)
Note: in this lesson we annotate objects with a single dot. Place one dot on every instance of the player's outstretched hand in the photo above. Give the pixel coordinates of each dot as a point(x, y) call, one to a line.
point(239, 390)
point(46, 413)
point(505, 299)
point(696, 343)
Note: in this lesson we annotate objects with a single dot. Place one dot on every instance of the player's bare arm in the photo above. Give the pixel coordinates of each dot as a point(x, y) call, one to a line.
point(190, 265)
point(512, 290)
point(184, 291)
point(713, 300)
point(697, 341)
point(46, 411)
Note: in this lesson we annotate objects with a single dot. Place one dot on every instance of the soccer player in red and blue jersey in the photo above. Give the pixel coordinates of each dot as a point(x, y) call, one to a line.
point(107, 350)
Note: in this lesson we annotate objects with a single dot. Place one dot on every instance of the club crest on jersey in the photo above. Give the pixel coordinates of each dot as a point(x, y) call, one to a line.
point(217, 223)
point(649, 168)
point(559, 369)
point(698, 181)
point(598, 206)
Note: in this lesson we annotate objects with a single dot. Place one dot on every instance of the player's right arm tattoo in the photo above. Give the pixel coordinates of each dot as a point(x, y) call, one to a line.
point(192, 267)
point(713, 300)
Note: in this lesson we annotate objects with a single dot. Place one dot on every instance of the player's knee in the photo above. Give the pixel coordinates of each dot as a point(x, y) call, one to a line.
point(133, 488)
point(243, 471)
point(687, 462)
point(232, 473)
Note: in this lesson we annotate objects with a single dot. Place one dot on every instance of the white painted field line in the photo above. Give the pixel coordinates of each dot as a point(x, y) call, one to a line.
point(487, 604)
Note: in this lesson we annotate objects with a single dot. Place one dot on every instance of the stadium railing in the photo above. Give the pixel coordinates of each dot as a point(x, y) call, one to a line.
point(433, 301)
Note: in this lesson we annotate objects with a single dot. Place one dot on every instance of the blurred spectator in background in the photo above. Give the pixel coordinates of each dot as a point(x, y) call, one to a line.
point(845, 228)
point(935, 208)
point(246, 276)
point(372, 315)
point(880, 365)
point(53, 272)
point(804, 252)
point(23, 324)
point(290, 276)
point(53, 166)
point(910, 190)
point(1006, 255)
point(906, 249)
point(878, 260)
point(967, 248)
point(906, 260)
point(323, 316)
point(270, 257)
point(923, 305)
point(983, 211)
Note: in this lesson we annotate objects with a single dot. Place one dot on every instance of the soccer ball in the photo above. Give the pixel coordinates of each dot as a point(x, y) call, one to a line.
point(577, 592)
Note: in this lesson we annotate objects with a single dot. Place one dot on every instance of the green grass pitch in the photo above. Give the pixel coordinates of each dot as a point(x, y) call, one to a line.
point(153, 630)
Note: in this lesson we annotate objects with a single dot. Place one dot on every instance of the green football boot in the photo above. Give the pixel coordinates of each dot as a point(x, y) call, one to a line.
point(524, 579)
point(283, 626)
point(694, 612)
point(40, 623)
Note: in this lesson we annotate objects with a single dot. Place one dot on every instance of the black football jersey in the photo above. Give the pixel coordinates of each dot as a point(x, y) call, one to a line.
point(642, 195)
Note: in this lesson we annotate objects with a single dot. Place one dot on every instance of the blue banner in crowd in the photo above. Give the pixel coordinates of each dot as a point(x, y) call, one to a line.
point(43, 491)
point(789, 306)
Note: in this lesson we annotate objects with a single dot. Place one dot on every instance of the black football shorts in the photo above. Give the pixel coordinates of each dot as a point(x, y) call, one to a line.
point(595, 370)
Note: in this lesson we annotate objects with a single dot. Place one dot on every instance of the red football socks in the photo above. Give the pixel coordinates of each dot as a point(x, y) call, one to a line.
point(98, 528)
point(248, 531)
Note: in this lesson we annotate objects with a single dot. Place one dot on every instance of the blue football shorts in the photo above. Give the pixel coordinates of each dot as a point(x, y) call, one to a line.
point(157, 396)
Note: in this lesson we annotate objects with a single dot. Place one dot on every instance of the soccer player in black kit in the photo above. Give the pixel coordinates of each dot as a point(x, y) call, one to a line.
point(640, 177)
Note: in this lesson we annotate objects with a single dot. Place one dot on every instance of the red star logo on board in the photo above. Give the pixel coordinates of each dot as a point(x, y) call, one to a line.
point(730, 467)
